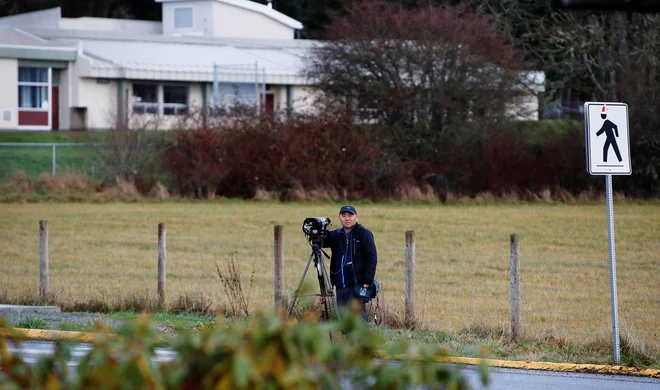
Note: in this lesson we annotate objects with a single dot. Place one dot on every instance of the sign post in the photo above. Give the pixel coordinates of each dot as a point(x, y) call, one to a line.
point(608, 153)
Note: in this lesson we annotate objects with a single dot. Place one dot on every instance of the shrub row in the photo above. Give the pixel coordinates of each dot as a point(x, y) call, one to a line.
point(329, 153)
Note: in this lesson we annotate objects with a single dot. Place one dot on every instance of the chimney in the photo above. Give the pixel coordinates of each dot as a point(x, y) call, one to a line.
point(270, 3)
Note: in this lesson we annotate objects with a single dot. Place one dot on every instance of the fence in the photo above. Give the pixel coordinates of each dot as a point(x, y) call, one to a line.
point(550, 298)
point(35, 158)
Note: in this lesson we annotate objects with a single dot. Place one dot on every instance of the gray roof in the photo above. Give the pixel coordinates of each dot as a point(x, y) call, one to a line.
point(186, 58)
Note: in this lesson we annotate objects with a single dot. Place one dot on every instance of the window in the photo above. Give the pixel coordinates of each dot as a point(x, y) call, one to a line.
point(33, 86)
point(145, 99)
point(183, 17)
point(175, 99)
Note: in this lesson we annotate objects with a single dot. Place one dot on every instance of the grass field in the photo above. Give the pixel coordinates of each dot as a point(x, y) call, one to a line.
point(109, 251)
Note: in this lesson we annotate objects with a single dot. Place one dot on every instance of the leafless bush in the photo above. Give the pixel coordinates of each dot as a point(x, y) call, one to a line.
point(239, 302)
point(192, 303)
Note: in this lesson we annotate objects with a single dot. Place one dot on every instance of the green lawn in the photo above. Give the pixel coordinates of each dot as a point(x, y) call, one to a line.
point(35, 160)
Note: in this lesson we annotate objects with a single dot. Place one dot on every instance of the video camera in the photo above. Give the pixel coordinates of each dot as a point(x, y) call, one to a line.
point(315, 227)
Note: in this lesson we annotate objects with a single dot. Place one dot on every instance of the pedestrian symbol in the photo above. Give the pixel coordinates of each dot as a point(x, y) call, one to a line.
point(612, 133)
point(607, 141)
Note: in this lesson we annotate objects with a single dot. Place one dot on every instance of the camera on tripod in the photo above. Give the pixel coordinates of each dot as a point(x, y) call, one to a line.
point(315, 227)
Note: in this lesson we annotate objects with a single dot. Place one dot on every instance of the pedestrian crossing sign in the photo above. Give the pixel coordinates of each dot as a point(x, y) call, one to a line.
point(607, 141)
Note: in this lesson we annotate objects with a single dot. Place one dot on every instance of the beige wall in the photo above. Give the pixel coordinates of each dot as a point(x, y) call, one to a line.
point(303, 99)
point(9, 99)
point(101, 102)
point(229, 21)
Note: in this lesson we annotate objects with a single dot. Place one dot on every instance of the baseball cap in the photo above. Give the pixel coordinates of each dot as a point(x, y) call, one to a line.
point(349, 209)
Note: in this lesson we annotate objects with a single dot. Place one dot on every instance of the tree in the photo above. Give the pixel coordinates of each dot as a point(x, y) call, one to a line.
point(424, 73)
point(597, 56)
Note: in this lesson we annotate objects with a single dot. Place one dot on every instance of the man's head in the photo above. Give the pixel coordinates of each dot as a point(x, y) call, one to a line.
point(348, 216)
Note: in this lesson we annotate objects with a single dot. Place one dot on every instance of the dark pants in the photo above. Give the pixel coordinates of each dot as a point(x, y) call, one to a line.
point(345, 297)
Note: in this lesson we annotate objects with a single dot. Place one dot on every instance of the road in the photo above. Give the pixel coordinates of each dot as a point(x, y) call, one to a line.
point(506, 378)
point(500, 378)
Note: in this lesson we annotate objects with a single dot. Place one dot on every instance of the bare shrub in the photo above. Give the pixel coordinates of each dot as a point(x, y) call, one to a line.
point(485, 331)
point(485, 198)
point(264, 195)
point(551, 336)
point(192, 303)
point(413, 193)
point(160, 192)
point(388, 315)
point(20, 182)
point(138, 302)
point(135, 157)
point(93, 305)
point(546, 195)
point(564, 196)
point(67, 180)
point(322, 194)
point(239, 302)
point(589, 195)
point(511, 196)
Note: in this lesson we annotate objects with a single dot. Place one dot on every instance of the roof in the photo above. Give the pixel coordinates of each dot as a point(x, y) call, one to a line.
point(252, 6)
point(159, 57)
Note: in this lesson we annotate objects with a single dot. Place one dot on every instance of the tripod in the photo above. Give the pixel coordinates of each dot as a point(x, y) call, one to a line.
point(327, 292)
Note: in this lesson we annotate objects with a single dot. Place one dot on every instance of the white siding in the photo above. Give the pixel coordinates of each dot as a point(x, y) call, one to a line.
point(202, 18)
point(107, 24)
point(9, 99)
point(229, 21)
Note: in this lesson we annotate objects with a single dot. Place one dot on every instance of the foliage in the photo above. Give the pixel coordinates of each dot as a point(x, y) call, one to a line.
point(32, 322)
point(262, 352)
point(272, 153)
point(454, 75)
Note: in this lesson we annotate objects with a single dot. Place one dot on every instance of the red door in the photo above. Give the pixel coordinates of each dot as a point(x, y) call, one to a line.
point(55, 107)
point(270, 103)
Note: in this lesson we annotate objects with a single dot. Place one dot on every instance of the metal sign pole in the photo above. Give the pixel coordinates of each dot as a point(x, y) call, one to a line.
point(615, 303)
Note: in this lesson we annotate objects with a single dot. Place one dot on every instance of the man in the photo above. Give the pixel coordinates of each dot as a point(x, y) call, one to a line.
point(354, 257)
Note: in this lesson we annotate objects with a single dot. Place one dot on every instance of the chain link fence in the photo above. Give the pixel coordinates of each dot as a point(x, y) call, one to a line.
point(35, 158)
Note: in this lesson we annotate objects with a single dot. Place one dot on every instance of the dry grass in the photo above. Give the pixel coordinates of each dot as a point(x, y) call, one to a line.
point(105, 255)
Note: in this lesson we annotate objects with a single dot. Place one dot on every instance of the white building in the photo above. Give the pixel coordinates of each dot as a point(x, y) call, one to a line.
point(89, 73)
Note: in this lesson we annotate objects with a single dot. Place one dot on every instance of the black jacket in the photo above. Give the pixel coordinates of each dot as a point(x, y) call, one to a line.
point(362, 249)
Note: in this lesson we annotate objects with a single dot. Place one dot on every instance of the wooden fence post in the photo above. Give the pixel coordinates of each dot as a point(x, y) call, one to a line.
point(43, 260)
point(162, 260)
point(410, 278)
point(278, 260)
point(516, 322)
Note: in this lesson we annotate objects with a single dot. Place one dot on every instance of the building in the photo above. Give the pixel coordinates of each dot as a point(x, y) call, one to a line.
point(85, 73)
point(98, 73)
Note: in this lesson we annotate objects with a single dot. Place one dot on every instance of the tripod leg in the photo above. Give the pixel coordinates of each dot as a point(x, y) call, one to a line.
point(295, 293)
point(323, 285)
point(330, 292)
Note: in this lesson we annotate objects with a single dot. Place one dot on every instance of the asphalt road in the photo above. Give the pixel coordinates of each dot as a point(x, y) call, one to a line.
point(506, 378)
point(500, 378)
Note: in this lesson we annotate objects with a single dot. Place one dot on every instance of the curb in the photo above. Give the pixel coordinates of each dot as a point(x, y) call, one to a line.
point(527, 365)
point(52, 335)
point(558, 367)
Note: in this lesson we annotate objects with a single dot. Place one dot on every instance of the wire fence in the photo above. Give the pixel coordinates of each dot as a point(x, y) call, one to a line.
point(35, 158)
point(561, 298)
